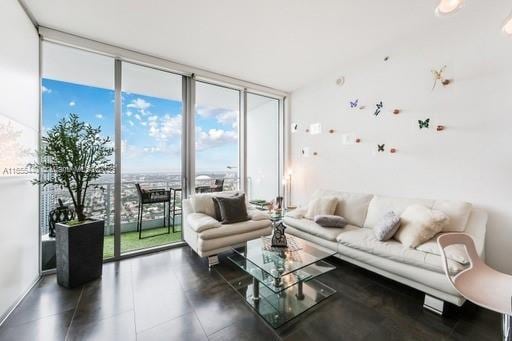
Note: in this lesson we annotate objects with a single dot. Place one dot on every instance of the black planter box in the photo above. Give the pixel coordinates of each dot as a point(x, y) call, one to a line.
point(79, 252)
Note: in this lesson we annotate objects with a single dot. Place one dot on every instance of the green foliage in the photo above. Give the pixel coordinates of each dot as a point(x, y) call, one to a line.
point(72, 155)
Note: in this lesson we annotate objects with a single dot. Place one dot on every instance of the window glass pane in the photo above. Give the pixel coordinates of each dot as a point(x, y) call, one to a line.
point(151, 158)
point(79, 82)
point(262, 147)
point(217, 153)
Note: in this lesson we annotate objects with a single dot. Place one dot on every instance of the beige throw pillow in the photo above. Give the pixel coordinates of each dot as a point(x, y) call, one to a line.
point(419, 224)
point(321, 206)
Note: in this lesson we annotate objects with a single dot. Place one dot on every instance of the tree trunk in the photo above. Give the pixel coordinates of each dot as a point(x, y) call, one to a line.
point(80, 212)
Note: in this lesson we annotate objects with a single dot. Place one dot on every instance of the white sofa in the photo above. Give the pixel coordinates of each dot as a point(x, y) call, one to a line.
point(208, 237)
point(420, 268)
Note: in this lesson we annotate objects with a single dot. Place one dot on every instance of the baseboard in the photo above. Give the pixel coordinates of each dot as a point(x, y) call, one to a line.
point(6, 315)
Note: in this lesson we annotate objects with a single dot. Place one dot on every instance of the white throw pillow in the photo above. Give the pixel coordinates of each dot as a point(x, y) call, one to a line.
point(419, 224)
point(321, 206)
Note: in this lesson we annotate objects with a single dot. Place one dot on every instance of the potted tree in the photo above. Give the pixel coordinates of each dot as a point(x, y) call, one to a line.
point(74, 154)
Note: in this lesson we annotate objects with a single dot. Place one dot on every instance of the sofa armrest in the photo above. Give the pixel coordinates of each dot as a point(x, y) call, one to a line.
point(297, 213)
point(200, 222)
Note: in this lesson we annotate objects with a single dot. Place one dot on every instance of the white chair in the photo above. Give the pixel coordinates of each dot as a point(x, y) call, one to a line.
point(479, 283)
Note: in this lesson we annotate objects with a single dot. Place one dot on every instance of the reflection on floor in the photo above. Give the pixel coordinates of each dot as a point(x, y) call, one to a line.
point(171, 295)
point(151, 237)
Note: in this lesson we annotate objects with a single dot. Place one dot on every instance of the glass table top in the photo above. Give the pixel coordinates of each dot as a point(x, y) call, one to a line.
point(281, 262)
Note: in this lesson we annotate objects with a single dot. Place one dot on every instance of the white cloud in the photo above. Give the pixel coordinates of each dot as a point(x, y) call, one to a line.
point(144, 123)
point(99, 116)
point(129, 113)
point(227, 117)
point(139, 104)
point(165, 127)
point(131, 123)
point(72, 103)
point(137, 116)
point(46, 90)
point(214, 138)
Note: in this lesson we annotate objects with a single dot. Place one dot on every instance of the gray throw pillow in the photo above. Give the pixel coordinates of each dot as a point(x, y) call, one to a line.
point(232, 209)
point(387, 226)
point(327, 220)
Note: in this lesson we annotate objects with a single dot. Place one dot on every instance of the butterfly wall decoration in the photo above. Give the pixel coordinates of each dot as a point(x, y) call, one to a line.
point(380, 147)
point(379, 107)
point(439, 77)
point(424, 124)
point(354, 103)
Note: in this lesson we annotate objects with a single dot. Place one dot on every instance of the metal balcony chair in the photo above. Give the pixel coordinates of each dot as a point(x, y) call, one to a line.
point(153, 196)
point(218, 186)
point(480, 283)
point(176, 197)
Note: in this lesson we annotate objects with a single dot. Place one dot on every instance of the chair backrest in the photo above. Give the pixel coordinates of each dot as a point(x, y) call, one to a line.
point(447, 239)
point(219, 182)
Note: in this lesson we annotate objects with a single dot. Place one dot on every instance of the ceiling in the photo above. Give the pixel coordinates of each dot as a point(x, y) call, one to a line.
point(282, 44)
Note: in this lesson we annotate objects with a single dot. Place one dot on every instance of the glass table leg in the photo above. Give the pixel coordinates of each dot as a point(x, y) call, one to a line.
point(300, 291)
point(255, 289)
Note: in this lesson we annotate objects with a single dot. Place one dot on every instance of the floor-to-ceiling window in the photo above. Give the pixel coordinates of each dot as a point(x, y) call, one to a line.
point(216, 138)
point(141, 110)
point(263, 117)
point(81, 83)
point(152, 118)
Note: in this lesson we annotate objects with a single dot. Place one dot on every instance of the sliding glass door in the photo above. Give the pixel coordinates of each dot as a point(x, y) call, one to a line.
point(216, 138)
point(151, 130)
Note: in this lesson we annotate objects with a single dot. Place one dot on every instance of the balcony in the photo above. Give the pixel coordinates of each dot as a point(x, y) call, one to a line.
point(100, 205)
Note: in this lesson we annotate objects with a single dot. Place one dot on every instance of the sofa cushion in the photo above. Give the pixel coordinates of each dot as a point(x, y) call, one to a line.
point(364, 239)
point(203, 203)
point(328, 220)
point(226, 230)
point(380, 205)
point(200, 222)
point(306, 225)
point(454, 252)
point(256, 215)
point(388, 225)
point(321, 205)
point(351, 206)
point(419, 224)
point(457, 211)
point(232, 209)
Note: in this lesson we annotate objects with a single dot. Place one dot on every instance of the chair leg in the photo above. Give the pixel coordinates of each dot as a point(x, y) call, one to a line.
point(506, 324)
point(140, 221)
point(168, 217)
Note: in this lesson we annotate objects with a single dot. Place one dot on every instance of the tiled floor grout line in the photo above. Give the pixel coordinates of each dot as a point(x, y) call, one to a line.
point(74, 312)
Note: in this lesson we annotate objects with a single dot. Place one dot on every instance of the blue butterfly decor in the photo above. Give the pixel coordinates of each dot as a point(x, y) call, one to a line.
point(354, 104)
point(424, 124)
point(379, 107)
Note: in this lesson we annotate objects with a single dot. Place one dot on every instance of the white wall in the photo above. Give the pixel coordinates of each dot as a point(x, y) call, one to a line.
point(19, 107)
point(471, 160)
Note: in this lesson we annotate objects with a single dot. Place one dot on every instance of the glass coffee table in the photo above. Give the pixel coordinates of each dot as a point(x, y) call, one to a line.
point(282, 283)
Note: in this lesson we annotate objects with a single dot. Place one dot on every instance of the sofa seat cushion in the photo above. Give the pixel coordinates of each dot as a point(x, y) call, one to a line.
point(308, 226)
point(364, 239)
point(226, 230)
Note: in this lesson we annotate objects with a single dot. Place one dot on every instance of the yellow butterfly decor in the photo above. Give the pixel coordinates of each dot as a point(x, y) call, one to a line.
point(438, 76)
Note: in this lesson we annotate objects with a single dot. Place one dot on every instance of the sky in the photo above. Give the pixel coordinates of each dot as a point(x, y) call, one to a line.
point(151, 126)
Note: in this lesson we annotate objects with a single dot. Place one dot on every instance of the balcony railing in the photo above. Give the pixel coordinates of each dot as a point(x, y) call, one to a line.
point(100, 202)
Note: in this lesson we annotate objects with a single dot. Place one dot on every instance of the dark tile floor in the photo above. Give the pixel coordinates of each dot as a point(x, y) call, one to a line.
point(171, 295)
